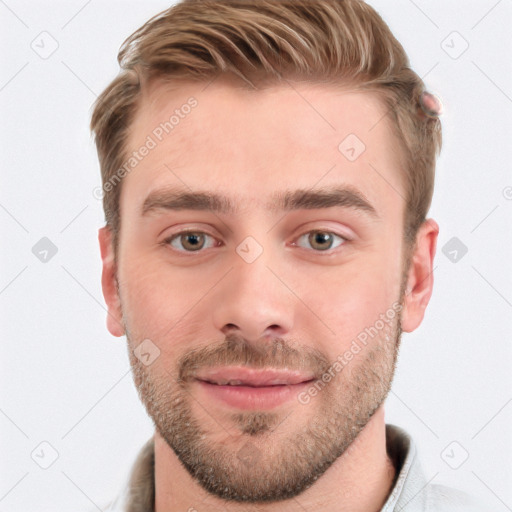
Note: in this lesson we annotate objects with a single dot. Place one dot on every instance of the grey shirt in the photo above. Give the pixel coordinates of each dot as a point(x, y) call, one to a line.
point(411, 491)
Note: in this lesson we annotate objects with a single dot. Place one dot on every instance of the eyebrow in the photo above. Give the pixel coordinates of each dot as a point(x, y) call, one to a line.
point(308, 199)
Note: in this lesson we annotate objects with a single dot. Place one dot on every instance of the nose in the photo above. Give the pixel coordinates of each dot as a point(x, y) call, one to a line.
point(253, 301)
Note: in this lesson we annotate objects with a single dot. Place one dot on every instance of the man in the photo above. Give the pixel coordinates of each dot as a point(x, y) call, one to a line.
point(267, 170)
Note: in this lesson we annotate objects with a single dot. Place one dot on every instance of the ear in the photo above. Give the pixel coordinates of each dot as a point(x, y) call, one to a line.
point(108, 283)
point(420, 277)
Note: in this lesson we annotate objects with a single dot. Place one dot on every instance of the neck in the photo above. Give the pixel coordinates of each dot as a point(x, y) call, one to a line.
point(359, 481)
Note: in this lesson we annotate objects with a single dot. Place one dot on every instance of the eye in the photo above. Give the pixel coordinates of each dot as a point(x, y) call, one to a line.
point(322, 240)
point(195, 241)
point(189, 241)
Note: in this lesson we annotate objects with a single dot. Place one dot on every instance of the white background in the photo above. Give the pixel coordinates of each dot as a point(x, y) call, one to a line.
point(65, 380)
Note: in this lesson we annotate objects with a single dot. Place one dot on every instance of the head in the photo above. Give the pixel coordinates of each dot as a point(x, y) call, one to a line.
point(238, 138)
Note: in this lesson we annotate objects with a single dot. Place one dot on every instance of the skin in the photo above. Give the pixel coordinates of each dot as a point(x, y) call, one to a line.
point(330, 452)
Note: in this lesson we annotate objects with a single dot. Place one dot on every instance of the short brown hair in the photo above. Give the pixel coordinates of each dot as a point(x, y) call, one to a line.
point(263, 41)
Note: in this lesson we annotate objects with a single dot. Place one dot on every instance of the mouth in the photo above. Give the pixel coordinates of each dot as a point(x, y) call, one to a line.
point(252, 377)
point(248, 388)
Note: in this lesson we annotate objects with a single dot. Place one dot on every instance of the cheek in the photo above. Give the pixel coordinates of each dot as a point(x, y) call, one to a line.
point(167, 304)
point(350, 304)
point(152, 301)
point(352, 297)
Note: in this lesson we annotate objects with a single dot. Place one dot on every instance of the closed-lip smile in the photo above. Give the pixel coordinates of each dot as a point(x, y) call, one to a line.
point(255, 377)
point(251, 388)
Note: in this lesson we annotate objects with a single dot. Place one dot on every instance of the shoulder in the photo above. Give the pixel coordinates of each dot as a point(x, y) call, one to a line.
point(441, 498)
point(412, 492)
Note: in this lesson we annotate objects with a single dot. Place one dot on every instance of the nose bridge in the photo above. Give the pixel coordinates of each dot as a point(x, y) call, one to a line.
point(251, 298)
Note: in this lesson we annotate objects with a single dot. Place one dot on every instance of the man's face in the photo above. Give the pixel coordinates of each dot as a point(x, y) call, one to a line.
point(281, 281)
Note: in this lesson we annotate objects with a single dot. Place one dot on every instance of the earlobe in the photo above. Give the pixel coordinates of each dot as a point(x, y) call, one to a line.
point(108, 283)
point(420, 278)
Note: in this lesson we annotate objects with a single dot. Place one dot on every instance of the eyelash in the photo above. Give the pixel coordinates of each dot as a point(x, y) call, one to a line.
point(169, 239)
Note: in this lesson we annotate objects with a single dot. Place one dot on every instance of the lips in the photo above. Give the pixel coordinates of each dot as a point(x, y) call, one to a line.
point(253, 377)
point(246, 388)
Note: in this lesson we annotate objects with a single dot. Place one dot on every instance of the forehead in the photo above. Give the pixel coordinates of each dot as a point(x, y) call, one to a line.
point(249, 143)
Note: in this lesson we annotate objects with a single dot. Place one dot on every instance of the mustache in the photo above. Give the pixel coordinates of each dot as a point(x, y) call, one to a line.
point(237, 351)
